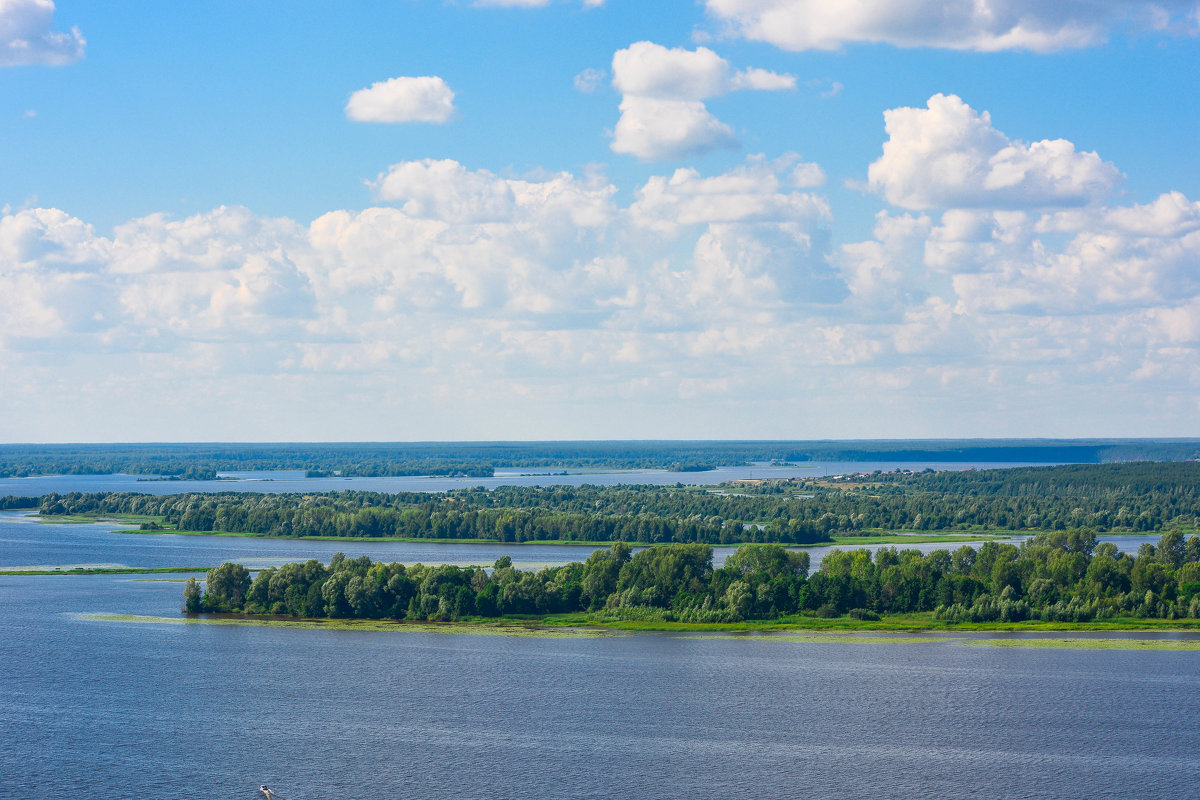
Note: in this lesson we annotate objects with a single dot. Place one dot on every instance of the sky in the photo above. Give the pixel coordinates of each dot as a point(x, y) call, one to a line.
point(599, 219)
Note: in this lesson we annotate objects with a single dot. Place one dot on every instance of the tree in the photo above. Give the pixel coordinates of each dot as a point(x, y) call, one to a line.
point(226, 586)
point(767, 561)
point(192, 602)
point(1171, 548)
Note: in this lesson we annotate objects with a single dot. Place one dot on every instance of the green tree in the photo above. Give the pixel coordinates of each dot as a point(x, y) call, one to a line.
point(226, 586)
point(193, 603)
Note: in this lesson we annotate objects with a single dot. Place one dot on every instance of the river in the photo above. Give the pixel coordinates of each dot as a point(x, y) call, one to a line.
point(92, 708)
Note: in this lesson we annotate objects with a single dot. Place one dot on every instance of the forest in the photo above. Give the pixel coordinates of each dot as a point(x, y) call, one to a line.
point(1063, 576)
point(481, 459)
point(1138, 497)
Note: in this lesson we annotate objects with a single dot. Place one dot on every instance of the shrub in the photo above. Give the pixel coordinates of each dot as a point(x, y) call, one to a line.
point(864, 614)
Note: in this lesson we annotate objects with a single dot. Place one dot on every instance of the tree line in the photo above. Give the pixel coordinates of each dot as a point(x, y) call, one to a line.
point(420, 516)
point(199, 460)
point(1061, 576)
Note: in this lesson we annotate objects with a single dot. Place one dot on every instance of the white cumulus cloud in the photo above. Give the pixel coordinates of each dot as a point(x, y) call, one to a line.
point(947, 155)
point(663, 115)
point(646, 69)
point(755, 192)
point(448, 191)
point(421, 99)
point(988, 26)
point(660, 130)
point(27, 35)
point(544, 297)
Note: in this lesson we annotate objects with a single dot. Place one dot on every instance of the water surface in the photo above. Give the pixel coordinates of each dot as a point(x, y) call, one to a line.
point(100, 709)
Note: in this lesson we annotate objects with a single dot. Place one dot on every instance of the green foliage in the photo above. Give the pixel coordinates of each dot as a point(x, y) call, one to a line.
point(10, 502)
point(192, 600)
point(226, 587)
point(1053, 578)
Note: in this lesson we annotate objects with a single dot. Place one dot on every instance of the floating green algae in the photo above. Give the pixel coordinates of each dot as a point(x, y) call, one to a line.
point(828, 638)
point(1080, 643)
point(368, 625)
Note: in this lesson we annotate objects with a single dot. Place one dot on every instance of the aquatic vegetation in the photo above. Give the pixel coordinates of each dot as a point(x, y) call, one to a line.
point(380, 626)
point(1088, 643)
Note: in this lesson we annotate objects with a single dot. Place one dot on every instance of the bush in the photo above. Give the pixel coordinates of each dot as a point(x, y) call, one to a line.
point(828, 611)
point(639, 614)
point(953, 613)
point(864, 614)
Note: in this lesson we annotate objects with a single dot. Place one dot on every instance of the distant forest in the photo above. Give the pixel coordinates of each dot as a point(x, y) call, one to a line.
point(1135, 497)
point(481, 459)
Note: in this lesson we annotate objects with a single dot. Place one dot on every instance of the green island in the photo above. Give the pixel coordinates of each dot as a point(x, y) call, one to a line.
point(1056, 581)
point(1138, 497)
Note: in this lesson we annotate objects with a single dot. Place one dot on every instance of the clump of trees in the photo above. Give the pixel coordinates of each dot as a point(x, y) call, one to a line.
point(9, 502)
point(1061, 576)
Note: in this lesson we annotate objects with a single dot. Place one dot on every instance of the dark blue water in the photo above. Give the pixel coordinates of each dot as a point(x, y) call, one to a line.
point(97, 709)
point(296, 482)
point(93, 709)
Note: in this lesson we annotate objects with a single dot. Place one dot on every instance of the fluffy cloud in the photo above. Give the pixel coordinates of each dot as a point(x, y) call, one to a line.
point(1033, 277)
point(217, 275)
point(953, 24)
point(663, 115)
point(646, 69)
point(542, 298)
point(661, 130)
point(1105, 264)
point(755, 192)
point(542, 250)
point(947, 155)
point(423, 99)
point(27, 35)
point(1028, 234)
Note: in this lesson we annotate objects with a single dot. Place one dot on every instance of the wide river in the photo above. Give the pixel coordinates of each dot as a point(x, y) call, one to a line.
point(92, 708)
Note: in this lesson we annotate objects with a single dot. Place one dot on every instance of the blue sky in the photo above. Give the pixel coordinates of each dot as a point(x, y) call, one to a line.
point(568, 219)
